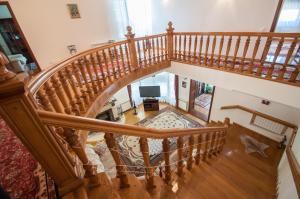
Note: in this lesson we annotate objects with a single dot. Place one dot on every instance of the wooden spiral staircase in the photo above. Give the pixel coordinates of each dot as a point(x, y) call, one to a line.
point(53, 112)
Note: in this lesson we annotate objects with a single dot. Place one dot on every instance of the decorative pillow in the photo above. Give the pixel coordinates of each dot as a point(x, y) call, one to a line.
point(100, 148)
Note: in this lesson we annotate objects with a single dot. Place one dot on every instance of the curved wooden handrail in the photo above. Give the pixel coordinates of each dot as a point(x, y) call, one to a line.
point(269, 117)
point(36, 82)
point(90, 124)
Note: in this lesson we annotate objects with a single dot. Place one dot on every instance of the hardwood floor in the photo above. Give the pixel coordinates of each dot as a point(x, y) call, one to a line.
point(234, 174)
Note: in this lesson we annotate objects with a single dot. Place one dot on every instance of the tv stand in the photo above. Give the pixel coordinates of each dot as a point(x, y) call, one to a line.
point(151, 105)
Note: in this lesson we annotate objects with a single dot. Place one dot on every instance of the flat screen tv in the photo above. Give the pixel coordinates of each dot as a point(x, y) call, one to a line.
point(150, 91)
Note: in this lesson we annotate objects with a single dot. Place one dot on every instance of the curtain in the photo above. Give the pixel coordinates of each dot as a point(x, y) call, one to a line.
point(136, 13)
point(166, 82)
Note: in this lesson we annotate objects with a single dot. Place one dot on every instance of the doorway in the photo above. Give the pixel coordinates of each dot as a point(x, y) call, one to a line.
point(201, 99)
point(13, 43)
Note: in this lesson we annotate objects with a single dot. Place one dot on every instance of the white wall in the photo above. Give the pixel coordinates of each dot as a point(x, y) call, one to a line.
point(213, 15)
point(286, 183)
point(273, 91)
point(183, 93)
point(224, 97)
point(49, 29)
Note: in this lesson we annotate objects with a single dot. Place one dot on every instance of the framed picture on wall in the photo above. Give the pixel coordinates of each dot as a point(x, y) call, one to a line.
point(183, 84)
point(74, 12)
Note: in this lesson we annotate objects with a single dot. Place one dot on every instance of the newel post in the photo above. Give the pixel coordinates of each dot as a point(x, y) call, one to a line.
point(132, 48)
point(19, 111)
point(170, 33)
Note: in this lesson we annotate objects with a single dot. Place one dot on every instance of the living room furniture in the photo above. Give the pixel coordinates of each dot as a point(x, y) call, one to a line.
point(151, 105)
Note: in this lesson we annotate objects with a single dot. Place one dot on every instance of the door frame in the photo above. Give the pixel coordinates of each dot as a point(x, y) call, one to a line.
point(18, 27)
point(191, 109)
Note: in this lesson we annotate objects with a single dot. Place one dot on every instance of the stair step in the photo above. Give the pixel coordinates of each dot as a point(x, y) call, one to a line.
point(135, 191)
point(104, 190)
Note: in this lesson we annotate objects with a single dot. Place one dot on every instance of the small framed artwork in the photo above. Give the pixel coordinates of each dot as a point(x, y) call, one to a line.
point(183, 84)
point(74, 12)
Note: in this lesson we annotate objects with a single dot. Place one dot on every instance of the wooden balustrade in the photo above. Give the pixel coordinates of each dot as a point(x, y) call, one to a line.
point(262, 55)
point(68, 90)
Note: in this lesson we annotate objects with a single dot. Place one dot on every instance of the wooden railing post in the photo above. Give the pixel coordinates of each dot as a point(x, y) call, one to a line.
point(90, 170)
point(120, 166)
point(180, 156)
point(191, 148)
point(170, 32)
point(132, 48)
point(19, 112)
point(166, 150)
point(149, 169)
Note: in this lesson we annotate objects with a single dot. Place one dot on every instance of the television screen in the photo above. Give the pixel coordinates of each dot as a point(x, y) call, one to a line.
point(150, 91)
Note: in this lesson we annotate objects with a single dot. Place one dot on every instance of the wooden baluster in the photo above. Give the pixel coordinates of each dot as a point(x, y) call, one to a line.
point(96, 72)
point(132, 49)
point(200, 49)
point(69, 93)
point(198, 155)
point(162, 49)
point(85, 96)
point(158, 50)
point(295, 73)
point(195, 48)
point(120, 166)
point(116, 55)
point(148, 168)
point(180, 53)
point(111, 57)
point(53, 98)
point(139, 52)
point(169, 42)
point(236, 49)
point(176, 46)
point(153, 51)
point(103, 76)
point(191, 148)
point(166, 150)
point(213, 51)
point(61, 94)
point(206, 147)
point(287, 59)
point(250, 67)
point(90, 170)
point(160, 172)
point(75, 89)
point(88, 66)
point(180, 165)
point(148, 45)
point(86, 82)
point(184, 48)
point(206, 50)
point(190, 46)
point(144, 52)
point(220, 50)
point(106, 66)
point(217, 143)
point(122, 59)
point(127, 58)
point(246, 47)
point(264, 56)
point(212, 143)
point(43, 100)
point(277, 51)
point(227, 51)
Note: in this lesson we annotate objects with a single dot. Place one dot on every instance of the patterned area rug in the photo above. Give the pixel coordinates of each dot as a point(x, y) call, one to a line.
point(20, 175)
point(129, 145)
point(203, 100)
